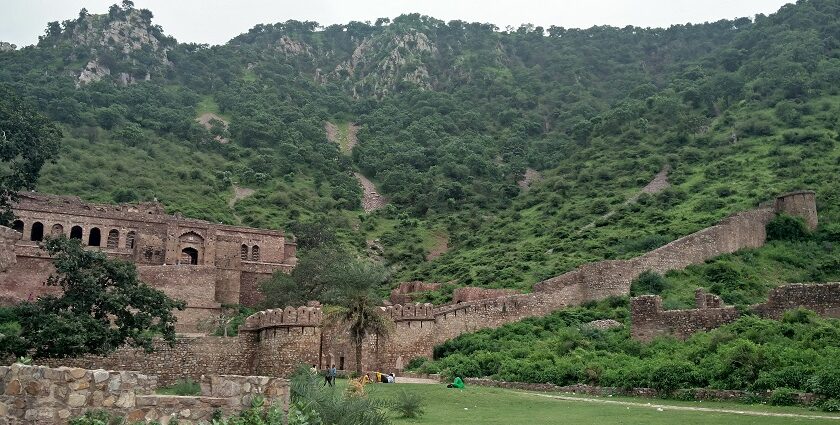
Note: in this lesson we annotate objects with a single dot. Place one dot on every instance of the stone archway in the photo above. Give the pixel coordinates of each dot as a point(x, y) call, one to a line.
point(191, 248)
point(189, 255)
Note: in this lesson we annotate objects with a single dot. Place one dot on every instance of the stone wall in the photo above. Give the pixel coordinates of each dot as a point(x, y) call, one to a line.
point(188, 358)
point(145, 235)
point(44, 395)
point(649, 320)
point(824, 299)
point(472, 293)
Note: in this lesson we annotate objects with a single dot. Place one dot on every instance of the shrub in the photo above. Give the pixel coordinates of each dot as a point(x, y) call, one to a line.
point(97, 417)
point(670, 375)
point(408, 404)
point(648, 283)
point(799, 315)
point(830, 405)
point(783, 397)
point(416, 362)
point(826, 382)
point(787, 228)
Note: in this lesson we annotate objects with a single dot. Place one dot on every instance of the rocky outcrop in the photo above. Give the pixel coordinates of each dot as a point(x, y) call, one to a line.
point(7, 47)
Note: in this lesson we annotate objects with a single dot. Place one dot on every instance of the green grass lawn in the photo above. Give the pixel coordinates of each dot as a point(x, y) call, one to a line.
point(479, 405)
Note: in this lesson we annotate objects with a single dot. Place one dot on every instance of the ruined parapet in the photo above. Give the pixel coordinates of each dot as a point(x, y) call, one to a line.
point(283, 317)
point(824, 299)
point(648, 319)
point(801, 204)
point(400, 312)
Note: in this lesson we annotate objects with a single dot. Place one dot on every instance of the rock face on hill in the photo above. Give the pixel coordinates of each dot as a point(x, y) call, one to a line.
point(122, 44)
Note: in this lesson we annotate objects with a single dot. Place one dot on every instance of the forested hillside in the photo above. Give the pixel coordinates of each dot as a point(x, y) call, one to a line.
point(450, 117)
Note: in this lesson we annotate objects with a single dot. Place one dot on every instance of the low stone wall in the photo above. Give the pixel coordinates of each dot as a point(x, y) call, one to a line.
point(44, 395)
point(824, 299)
point(188, 358)
point(649, 320)
point(806, 399)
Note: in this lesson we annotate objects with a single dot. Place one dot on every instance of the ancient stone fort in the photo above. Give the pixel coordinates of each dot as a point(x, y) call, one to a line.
point(209, 264)
point(204, 263)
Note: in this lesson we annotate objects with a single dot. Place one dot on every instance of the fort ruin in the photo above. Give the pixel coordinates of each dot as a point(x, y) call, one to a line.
point(203, 263)
point(274, 342)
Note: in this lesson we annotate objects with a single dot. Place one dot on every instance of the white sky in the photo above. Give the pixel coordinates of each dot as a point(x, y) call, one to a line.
point(217, 21)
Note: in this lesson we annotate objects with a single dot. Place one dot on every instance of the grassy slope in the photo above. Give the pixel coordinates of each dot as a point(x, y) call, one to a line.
point(539, 235)
point(478, 405)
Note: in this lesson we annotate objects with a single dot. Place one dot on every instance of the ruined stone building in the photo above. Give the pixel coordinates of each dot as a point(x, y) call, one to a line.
point(203, 263)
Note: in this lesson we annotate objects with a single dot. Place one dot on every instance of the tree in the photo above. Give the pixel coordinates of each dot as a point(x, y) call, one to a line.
point(28, 140)
point(102, 307)
point(312, 279)
point(358, 306)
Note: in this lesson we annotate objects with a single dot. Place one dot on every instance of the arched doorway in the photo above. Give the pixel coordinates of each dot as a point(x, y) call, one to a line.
point(37, 233)
point(17, 226)
point(95, 238)
point(189, 256)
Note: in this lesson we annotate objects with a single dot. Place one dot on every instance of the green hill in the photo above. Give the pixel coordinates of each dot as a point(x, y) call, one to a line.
point(450, 115)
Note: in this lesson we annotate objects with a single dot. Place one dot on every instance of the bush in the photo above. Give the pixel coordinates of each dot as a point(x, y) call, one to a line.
point(416, 362)
point(408, 405)
point(787, 228)
point(830, 405)
point(826, 382)
point(648, 283)
point(97, 417)
point(799, 315)
point(783, 397)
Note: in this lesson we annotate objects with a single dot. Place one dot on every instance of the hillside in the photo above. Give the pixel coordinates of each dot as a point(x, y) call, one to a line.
point(449, 116)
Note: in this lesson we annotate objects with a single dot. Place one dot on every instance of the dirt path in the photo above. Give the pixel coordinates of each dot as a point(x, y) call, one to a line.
point(239, 193)
point(403, 380)
point(665, 407)
point(531, 176)
point(346, 142)
point(371, 199)
point(204, 120)
point(440, 247)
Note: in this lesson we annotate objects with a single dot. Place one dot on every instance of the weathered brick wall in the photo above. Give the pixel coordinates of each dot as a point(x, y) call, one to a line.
point(472, 293)
point(403, 293)
point(194, 284)
point(649, 320)
point(43, 395)
point(824, 299)
point(159, 239)
point(800, 204)
point(189, 357)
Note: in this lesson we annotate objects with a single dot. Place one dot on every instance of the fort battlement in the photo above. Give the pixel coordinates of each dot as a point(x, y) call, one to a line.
point(283, 317)
point(405, 312)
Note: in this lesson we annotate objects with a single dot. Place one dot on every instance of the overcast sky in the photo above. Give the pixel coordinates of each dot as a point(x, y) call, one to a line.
point(217, 21)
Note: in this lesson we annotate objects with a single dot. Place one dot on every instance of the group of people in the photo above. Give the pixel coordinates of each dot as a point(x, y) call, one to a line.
point(377, 377)
point(329, 375)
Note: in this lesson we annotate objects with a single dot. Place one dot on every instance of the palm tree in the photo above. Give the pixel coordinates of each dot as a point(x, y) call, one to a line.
point(357, 309)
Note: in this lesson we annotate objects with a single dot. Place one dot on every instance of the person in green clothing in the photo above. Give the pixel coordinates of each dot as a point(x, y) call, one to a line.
point(457, 383)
